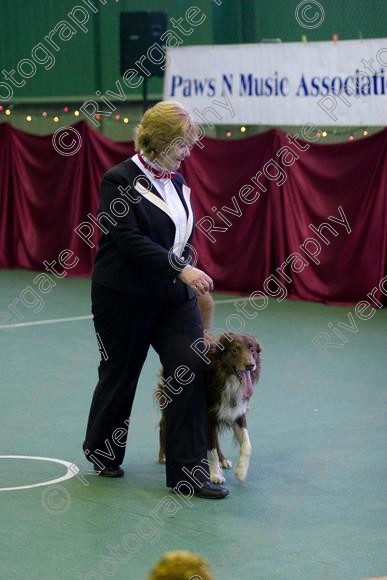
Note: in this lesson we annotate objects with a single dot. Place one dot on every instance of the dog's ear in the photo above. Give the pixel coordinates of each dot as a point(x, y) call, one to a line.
point(226, 338)
point(257, 344)
point(213, 347)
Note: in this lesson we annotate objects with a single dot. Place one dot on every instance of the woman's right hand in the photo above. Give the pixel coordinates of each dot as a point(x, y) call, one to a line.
point(196, 279)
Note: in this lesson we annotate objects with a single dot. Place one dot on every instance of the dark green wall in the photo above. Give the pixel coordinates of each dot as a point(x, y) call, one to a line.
point(90, 61)
point(253, 20)
point(24, 23)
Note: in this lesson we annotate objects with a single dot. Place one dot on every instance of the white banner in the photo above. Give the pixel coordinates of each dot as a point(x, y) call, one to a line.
point(325, 83)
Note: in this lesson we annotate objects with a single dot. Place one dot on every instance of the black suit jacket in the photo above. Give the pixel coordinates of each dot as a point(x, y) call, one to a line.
point(136, 255)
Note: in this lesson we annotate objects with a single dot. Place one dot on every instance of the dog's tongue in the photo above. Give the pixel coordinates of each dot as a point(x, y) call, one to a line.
point(247, 384)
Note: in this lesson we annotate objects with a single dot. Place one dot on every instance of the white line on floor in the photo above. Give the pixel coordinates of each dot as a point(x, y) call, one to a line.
point(49, 321)
point(228, 300)
point(89, 317)
point(68, 475)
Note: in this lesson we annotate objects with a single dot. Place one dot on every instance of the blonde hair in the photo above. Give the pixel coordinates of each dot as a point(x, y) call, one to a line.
point(181, 565)
point(160, 125)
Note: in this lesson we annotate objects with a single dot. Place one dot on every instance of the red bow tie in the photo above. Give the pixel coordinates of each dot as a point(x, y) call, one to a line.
point(155, 172)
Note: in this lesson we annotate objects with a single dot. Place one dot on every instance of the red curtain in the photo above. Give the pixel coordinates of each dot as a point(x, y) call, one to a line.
point(260, 240)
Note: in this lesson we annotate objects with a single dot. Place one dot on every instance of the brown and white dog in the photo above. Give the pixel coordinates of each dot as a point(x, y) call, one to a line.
point(231, 375)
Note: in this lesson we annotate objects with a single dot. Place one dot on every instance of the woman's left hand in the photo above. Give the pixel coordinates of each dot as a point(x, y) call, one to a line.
point(198, 280)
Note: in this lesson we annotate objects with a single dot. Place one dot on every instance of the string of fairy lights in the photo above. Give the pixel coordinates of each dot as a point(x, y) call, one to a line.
point(67, 114)
point(342, 133)
point(55, 117)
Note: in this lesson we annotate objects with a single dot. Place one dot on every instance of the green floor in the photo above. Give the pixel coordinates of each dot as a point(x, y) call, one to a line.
point(313, 506)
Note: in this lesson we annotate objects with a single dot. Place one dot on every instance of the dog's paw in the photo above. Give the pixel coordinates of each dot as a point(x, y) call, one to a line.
point(226, 464)
point(240, 473)
point(242, 468)
point(161, 459)
point(216, 474)
point(218, 477)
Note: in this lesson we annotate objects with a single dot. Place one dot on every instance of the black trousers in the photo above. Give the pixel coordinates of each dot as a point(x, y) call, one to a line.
point(127, 325)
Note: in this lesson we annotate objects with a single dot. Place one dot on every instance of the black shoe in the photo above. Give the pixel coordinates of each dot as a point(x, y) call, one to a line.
point(112, 471)
point(207, 490)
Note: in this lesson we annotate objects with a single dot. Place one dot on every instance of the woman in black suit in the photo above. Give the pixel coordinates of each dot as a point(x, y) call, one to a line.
point(144, 294)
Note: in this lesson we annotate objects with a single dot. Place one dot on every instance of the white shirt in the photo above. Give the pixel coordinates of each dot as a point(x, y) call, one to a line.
point(169, 194)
